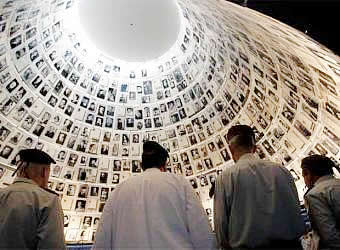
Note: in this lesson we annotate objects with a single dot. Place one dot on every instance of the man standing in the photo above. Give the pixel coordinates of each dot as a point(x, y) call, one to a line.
point(155, 210)
point(323, 198)
point(30, 215)
point(256, 201)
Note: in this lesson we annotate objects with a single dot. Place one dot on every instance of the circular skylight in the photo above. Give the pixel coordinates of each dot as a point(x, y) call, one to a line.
point(220, 65)
point(131, 30)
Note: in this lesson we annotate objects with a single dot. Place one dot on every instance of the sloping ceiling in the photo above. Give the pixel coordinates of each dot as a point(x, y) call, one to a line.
point(92, 112)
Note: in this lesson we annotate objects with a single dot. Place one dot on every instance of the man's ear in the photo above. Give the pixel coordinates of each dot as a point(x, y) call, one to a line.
point(44, 172)
point(231, 148)
point(163, 168)
point(314, 178)
point(253, 150)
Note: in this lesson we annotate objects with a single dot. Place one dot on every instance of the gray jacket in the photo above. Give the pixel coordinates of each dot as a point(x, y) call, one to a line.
point(30, 217)
point(256, 204)
point(323, 201)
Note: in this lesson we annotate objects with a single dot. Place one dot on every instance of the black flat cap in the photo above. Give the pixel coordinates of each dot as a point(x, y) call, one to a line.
point(35, 156)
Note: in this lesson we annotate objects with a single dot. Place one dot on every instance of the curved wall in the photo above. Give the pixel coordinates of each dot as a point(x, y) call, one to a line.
point(92, 112)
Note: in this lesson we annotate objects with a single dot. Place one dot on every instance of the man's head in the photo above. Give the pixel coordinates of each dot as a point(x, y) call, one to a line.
point(241, 140)
point(314, 167)
point(34, 164)
point(154, 156)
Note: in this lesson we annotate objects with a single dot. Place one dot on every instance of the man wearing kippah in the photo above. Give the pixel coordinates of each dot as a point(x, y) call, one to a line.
point(30, 215)
point(256, 203)
point(154, 210)
point(323, 198)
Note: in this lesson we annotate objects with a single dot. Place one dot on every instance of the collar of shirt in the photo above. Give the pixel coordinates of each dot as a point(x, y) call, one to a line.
point(25, 180)
point(246, 156)
point(152, 170)
point(324, 178)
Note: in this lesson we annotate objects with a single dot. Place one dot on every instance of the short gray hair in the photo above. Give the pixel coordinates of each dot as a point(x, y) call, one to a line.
point(242, 141)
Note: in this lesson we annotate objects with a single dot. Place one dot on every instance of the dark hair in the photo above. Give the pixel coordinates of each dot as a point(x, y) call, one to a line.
point(154, 155)
point(319, 165)
point(245, 136)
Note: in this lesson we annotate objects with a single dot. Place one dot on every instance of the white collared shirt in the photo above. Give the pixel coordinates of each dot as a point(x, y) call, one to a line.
point(154, 210)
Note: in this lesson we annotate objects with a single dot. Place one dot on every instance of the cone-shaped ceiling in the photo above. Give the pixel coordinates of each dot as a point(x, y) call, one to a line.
point(62, 91)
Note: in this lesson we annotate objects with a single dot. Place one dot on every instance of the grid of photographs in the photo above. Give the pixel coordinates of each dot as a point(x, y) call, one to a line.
point(230, 66)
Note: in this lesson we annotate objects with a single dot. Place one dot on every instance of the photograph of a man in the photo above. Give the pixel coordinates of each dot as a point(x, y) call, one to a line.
point(164, 211)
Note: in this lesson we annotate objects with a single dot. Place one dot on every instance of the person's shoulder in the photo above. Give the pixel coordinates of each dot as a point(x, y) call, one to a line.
point(4, 190)
point(265, 166)
point(272, 165)
point(44, 194)
point(333, 181)
point(22, 187)
point(30, 193)
point(267, 163)
point(169, 175)
point(314, 192)
point(229, 170)
point(159, 174)
point(47, 198)
point(320, 189)
point(179, 179)
point(131, 181)
point(51, 192)
point(326, 186)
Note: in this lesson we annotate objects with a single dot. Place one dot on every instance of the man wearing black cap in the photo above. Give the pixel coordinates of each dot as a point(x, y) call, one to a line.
point(256, 202)
point(154, 210)
point(30, 215)
point(323, 198)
